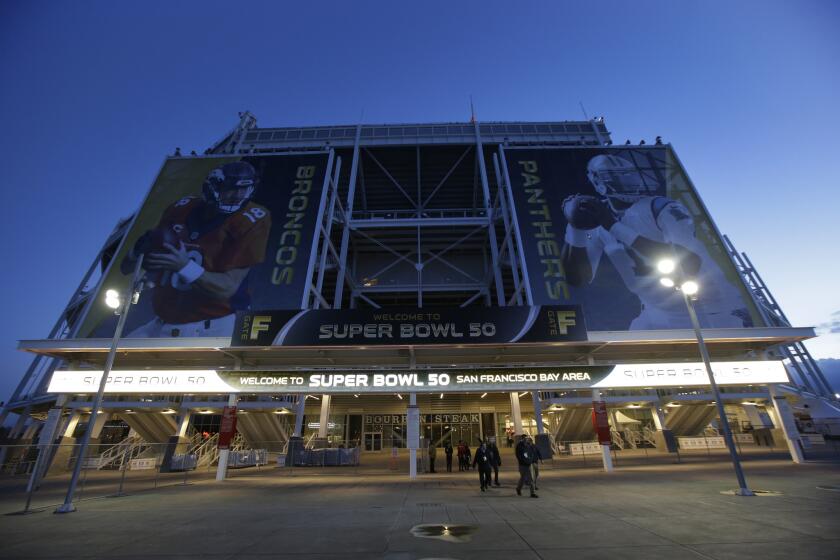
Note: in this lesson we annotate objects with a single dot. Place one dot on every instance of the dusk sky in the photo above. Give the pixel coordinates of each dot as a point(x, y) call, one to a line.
point(94, 95)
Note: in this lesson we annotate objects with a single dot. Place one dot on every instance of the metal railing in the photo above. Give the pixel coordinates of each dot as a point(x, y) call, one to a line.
point(36, 476)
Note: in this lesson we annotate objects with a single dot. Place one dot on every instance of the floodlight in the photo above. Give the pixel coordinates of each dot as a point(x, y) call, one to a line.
point(112, 299)
point(690, 287)
point(667, 282)
point(666, 266)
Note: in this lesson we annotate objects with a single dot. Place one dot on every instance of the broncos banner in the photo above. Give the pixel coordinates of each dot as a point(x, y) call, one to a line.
point(217, 236)
point(593, 224)
point(398, 326)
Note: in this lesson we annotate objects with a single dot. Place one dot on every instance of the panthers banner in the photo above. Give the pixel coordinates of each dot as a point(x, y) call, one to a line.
point(217, 236)
point(593, 224)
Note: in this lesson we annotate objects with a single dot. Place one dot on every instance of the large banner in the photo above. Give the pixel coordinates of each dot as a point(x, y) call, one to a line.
point(443, 325)
point(217, 236)
point(455, 379)
point(594, 223)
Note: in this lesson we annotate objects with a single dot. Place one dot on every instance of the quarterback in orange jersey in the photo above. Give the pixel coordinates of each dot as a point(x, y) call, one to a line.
point(198, 257)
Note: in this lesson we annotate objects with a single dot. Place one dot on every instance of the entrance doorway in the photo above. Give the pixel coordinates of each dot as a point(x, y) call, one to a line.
point(373, 441)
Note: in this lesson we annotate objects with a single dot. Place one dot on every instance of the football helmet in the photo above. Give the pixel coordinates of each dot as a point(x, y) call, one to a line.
point(615, 177)
point(230, 186)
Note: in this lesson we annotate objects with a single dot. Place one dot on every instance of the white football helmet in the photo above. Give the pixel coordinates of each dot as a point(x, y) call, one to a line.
point(615, 177)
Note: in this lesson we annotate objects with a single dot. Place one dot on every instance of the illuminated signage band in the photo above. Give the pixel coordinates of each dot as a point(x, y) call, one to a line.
point(496, 379)
point(351, 327)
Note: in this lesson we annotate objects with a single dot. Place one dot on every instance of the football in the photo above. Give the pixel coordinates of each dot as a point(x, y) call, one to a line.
point(158, 236)
point(582, 211)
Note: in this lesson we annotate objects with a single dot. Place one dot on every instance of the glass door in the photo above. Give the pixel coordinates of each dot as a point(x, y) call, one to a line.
point(373, 441)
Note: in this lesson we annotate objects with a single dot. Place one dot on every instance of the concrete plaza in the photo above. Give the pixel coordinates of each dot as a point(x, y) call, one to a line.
point(645, 511)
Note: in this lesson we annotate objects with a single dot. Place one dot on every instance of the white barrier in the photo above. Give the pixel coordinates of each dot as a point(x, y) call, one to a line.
point(586, 448)
point(710, 442)
point(142, 464)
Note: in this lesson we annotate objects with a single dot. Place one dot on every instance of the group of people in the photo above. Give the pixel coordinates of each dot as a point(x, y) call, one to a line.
point(487, 461)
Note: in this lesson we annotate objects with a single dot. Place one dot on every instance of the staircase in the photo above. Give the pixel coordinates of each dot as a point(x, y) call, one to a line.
point(206, 451)
point(132, 447)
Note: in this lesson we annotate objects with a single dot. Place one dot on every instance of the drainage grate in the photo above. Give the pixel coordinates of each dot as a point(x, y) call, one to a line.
point(448, 533)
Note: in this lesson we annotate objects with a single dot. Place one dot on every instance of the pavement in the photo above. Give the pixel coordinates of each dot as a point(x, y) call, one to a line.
point(672, 511)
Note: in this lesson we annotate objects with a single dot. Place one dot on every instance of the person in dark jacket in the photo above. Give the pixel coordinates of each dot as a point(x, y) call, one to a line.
point(432, 455)
point(495, 460)
point(483, 461)
point(524, 456)
point(448, 450)
point(467, 456)
point(461, 456)
point(535, 466)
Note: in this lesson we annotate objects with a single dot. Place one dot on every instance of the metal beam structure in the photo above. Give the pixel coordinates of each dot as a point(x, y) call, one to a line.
point(803, 369)
point(422, 216)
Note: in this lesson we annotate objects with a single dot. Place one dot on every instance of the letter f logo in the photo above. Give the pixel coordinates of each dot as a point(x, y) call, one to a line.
point(259, 324)
point(565, 319)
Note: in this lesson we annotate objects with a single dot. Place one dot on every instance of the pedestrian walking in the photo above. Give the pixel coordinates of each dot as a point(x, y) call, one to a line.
point(448, 450)
point(432, 455)
point(524, 456)
point(467, 456)
point(535, 466)
point(495, 460)
point(461, 456)
point(483, 462)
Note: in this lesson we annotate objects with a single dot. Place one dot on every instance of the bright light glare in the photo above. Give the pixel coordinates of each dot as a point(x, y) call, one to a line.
point(667, 282)
point(112, 299)
point(690, 288)
point(666, 266)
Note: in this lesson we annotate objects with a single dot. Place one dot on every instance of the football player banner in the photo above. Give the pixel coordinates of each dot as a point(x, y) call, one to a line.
point(218, 235)
point(594, 223)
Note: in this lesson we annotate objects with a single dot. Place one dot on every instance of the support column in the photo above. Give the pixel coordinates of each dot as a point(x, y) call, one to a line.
point(178, 442)
point(46, 449)
point(96, 430)
point(15, 433)
point(516, 416)
point(606, 458)
point(66, 448)
point(299, 412)
point(787, 424)
point(295, 445)
point(413, 433)
point(323, 424)
point(664, 438)
point(72, 422)
point(542, 439)
point(98, 424)
point(18, 428)
point(224, 454)
point(183, 423)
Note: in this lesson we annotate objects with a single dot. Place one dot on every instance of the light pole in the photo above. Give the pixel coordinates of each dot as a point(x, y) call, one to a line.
point(689, 289)
point(112, 300)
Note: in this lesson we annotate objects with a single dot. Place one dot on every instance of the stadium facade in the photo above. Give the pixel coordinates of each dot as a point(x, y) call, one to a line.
point(376, 286)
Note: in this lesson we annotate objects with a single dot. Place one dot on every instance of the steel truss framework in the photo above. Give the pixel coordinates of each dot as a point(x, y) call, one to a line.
point(422, 216)
point(803, 369)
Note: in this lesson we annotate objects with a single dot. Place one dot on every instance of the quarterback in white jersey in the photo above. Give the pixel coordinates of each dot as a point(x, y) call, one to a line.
point(636, 228)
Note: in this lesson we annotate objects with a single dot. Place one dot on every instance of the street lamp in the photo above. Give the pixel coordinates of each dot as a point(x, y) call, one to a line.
point(120, 304)
point(689, 289)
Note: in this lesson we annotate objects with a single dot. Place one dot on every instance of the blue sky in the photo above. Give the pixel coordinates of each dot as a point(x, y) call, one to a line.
point(93, 95)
